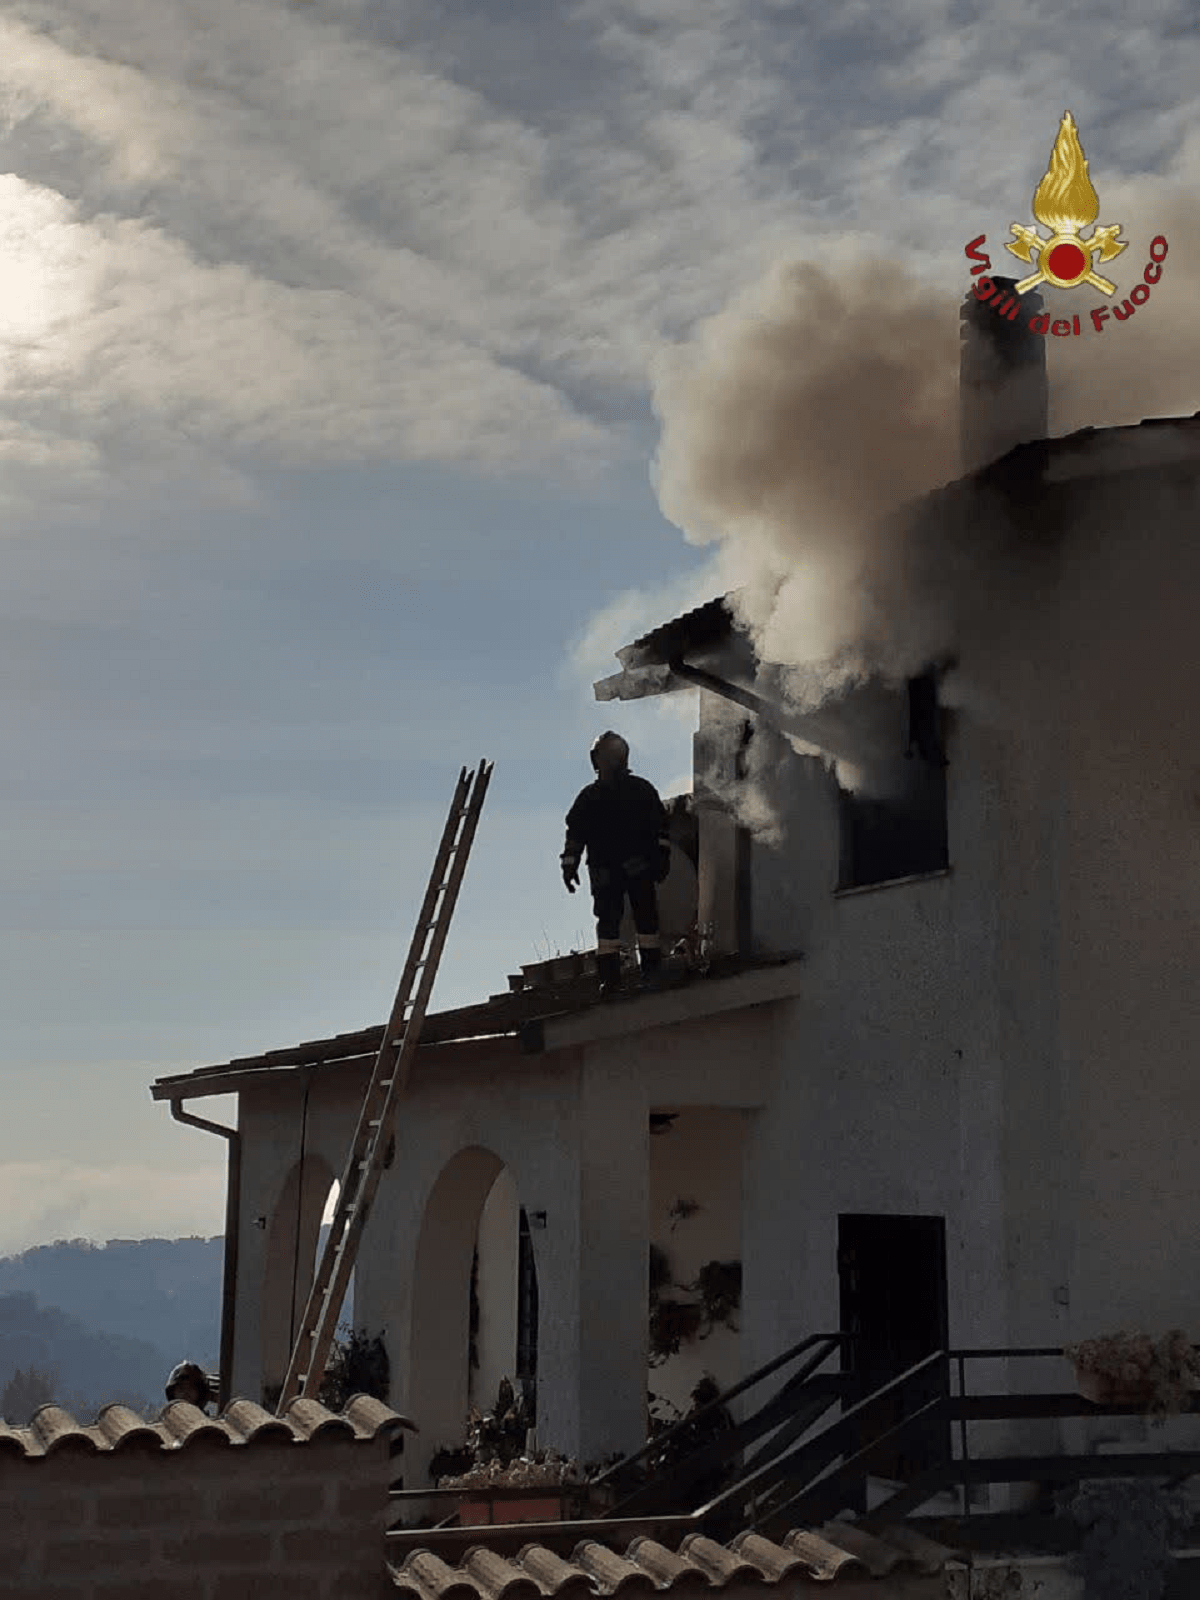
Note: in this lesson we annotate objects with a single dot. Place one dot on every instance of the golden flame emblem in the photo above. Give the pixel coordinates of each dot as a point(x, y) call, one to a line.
point(1065, 202)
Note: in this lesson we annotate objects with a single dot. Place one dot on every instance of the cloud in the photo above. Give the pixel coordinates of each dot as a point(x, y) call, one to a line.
point(279, 234)
point(51, 1199)
point(635, 611)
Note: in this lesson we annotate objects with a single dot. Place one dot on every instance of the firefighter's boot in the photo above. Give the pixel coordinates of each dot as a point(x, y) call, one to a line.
point(608, 965)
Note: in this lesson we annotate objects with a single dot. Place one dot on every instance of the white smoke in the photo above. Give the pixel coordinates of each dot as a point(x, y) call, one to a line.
point(800, 422)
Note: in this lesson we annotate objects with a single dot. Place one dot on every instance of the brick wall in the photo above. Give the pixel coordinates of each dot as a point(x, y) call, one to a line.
point(204, 1522)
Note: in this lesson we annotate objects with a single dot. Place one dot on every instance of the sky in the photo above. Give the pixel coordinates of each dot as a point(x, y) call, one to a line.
point(335, 343)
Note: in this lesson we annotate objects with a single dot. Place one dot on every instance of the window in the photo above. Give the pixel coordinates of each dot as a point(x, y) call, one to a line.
point(896, 828)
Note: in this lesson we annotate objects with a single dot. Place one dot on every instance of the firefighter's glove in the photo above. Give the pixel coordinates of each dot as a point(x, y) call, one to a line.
point(570, 873)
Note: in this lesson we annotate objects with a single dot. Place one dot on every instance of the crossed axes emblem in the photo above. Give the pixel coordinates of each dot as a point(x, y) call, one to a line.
point(1066, 259)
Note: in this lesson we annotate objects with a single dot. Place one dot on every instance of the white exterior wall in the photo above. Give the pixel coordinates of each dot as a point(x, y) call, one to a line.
point(1013, 1045)
point(1130, 883)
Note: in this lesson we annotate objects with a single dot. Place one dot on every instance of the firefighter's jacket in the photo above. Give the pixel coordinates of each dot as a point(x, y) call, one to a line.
point(623, 827)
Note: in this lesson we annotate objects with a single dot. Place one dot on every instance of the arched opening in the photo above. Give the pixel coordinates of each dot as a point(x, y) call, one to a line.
point(474, 1304)
point(504, 1307)
point(295, 1230)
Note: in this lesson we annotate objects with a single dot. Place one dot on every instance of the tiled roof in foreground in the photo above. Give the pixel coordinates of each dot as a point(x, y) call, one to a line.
point(838, 1550)
point(117, 1429)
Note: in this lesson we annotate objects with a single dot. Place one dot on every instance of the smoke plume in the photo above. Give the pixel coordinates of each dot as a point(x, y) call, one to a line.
point(795, 422)
point(800, 420)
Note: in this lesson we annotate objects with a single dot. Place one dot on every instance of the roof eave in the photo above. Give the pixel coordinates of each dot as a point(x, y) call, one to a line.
point(639, 683)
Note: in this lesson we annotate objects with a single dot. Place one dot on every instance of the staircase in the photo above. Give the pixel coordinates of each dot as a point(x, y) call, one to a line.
point(790, 1463)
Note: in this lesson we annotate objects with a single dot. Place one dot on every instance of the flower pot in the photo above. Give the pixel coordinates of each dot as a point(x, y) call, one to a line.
point(537, 1506)
point(1103, 1390)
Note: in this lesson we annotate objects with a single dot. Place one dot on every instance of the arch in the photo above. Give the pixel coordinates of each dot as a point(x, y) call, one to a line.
point(439, 1364)
point(292, 1236)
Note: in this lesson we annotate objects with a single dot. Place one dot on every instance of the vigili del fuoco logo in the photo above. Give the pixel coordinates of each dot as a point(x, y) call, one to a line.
point(1065, 203)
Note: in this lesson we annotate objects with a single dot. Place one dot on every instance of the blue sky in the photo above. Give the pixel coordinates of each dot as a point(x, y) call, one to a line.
point(332, 351)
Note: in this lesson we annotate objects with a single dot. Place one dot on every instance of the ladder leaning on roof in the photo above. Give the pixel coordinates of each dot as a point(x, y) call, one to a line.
point(364, 1165)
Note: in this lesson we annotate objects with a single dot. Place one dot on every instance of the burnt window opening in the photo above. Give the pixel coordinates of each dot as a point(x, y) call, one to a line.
point(527, 1303)
point(901, 833)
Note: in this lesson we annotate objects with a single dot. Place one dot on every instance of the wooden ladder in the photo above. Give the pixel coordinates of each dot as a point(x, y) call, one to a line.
point(368, 1150)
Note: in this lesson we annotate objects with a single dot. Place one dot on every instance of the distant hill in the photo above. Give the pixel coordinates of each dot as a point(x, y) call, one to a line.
point(89, 1369)
point(115, 1317)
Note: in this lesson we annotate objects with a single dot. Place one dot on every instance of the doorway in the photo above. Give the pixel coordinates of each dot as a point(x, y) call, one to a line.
point(892, 1281)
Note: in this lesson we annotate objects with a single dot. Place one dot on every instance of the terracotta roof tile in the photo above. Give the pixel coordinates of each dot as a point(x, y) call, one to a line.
point(721, 1564)
point(823, 1558)
point(613, 1574)
point(669, 1570)
point(553, 1575)
point(179, 1426)
point(497, 1578)
point(312, 1419)
point(837, 1551)
point(368, 1416)
point(431, 1578)
point(186, 1423)
point(54, 1429)
point(772, 1560)
point(123, 1429)
point(254, 1423)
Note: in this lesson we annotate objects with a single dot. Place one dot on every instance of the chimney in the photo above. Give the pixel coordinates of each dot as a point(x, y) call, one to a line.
point(1002, 394)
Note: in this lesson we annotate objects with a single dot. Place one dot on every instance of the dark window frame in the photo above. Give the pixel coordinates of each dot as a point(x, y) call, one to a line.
point(905, 835)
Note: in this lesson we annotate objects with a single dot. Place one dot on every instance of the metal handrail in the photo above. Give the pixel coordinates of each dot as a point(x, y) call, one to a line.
point(828, 1441)
point(830, 1474)
point(831, 1340)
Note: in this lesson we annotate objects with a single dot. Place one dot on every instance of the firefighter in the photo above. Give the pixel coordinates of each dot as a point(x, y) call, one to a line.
point(189, 1382)
point(622, 824)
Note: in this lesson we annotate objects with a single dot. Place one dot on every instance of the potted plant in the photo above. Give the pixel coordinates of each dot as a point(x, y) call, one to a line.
point(1135, 1370)
point(546, 1481)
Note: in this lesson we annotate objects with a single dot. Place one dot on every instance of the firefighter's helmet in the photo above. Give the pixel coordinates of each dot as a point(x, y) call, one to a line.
point(189, 1379)
point(610, 752)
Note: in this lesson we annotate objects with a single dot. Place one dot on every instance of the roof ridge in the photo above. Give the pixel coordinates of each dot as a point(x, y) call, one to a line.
point(803, 1556)
point(118, 1429)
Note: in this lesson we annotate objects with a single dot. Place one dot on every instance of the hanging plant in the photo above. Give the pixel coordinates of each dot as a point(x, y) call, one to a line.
point(672, 1323)
point(682, 1210)
point(720, 1289)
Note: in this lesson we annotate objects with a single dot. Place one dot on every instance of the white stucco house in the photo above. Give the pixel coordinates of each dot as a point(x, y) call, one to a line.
point(939, 1084)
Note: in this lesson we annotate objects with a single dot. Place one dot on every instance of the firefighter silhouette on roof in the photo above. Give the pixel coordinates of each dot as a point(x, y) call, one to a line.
point(621, 823)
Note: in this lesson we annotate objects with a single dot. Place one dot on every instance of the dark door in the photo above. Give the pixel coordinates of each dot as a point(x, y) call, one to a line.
point(892, 1273)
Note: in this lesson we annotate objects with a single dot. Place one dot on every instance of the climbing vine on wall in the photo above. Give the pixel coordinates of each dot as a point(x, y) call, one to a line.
point(675, 1322)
